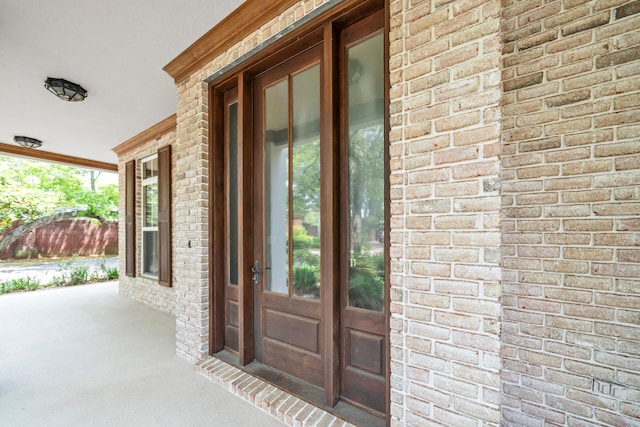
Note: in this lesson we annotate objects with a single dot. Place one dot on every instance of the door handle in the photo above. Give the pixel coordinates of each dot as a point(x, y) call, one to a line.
point(255, 270)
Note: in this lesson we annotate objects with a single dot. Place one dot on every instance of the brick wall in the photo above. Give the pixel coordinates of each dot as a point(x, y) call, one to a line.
point(66, 238)
point(514, 211)
point(571, 202)
point(445, 206)
point(140, 288)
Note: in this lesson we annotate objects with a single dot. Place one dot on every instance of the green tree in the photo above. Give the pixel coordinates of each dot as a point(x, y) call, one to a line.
point(30, 190)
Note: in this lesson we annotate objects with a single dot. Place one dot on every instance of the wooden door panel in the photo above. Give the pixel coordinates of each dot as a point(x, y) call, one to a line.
point(293, 360)
point(365, 351)
point(363, 388)
point(364, 372)
point(231, 338)
point(287, 328)
point(300, 306)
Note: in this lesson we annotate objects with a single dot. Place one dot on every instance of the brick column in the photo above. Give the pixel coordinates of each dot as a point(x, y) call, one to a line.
point(445, 212)
point(190, 204)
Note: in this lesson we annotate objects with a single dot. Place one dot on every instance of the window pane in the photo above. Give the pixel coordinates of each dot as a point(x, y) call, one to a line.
point(150, 168)
point(366, 174)
point(305, 183)
point(232, 126)
point(276, 211)
point(150, 194)
point(150, 251)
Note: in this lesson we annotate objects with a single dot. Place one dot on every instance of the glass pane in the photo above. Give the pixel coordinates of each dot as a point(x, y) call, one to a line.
point(305, 183)
point(150, 168)
point(150, 193)
point(276, 182)
point(232, 190)
point(366, 174)
point(150, 251)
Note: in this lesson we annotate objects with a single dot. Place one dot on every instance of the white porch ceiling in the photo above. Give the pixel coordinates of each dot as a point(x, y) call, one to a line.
point(114, 49)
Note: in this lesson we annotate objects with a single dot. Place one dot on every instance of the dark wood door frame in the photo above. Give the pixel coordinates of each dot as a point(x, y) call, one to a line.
point(330, 199)
point(245, 211)
point(242, 83)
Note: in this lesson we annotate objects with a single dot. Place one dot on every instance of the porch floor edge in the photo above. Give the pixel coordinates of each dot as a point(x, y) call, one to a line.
point(286, 407)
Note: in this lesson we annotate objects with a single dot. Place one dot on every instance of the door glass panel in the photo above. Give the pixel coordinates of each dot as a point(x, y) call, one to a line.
point(305, 183)
point(232, 191)
point(365, 85)
point(276, 187)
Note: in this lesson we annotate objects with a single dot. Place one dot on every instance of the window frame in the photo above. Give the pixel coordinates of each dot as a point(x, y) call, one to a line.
point(144, 182)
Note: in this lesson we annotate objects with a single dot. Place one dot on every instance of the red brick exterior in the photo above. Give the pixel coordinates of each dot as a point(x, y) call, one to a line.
point(66, 238)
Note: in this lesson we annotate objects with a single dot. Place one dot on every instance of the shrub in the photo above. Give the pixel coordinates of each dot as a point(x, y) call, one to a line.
point(20, 284)
point(305, 280)
point(71, 273)
point(78, 275)
point(305, 256)
point(366, 282)
point(301, 240)
point(108, 273)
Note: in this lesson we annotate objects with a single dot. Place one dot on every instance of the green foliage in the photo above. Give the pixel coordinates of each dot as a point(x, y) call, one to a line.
point(26, 253)
point(306, 177)
point(20, 284)
point(78, 275)
point(366, 282)
point(106, 272)
point(305, 256)
point(73, 273)
point(366, 185)
point(305, 280)
point(103, 204)
point(301, 240)
point(31, 189)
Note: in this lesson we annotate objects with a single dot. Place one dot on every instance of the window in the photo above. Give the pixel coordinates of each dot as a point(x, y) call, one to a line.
point(150, 216)
point(154, 218)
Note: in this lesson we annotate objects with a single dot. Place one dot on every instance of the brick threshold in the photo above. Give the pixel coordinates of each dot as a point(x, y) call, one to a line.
point(273, 400)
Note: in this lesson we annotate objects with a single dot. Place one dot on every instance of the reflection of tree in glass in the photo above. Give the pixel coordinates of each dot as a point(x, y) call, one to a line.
point(305, 189)
point(306, 264)
point(366, 217)
point(366, 186)
point(366, 282)
point(306, 178)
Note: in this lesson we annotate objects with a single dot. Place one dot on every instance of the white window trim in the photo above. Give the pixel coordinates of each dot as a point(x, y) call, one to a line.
point(144, 183)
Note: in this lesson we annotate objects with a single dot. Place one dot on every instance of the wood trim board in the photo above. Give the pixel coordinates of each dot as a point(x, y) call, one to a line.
point(30, 153)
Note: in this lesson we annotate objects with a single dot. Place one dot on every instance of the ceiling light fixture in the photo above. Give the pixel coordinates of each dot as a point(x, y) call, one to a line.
point(65, 90)
point(27, 142)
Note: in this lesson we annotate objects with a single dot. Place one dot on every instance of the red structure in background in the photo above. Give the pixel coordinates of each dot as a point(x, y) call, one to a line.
point(66, 238)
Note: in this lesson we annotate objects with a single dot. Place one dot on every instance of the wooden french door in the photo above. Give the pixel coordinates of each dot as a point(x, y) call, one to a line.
point(363, 169)
point(287, 306)
point(301, 199)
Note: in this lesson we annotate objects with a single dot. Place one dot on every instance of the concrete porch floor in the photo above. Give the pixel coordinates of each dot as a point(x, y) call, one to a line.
point(84, 356)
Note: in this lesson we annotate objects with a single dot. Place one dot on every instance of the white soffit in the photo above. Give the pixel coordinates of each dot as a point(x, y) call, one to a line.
point(114, 49)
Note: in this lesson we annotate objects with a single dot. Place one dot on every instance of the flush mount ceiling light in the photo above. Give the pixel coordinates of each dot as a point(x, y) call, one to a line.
point(65, 89)
point(27, 142)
